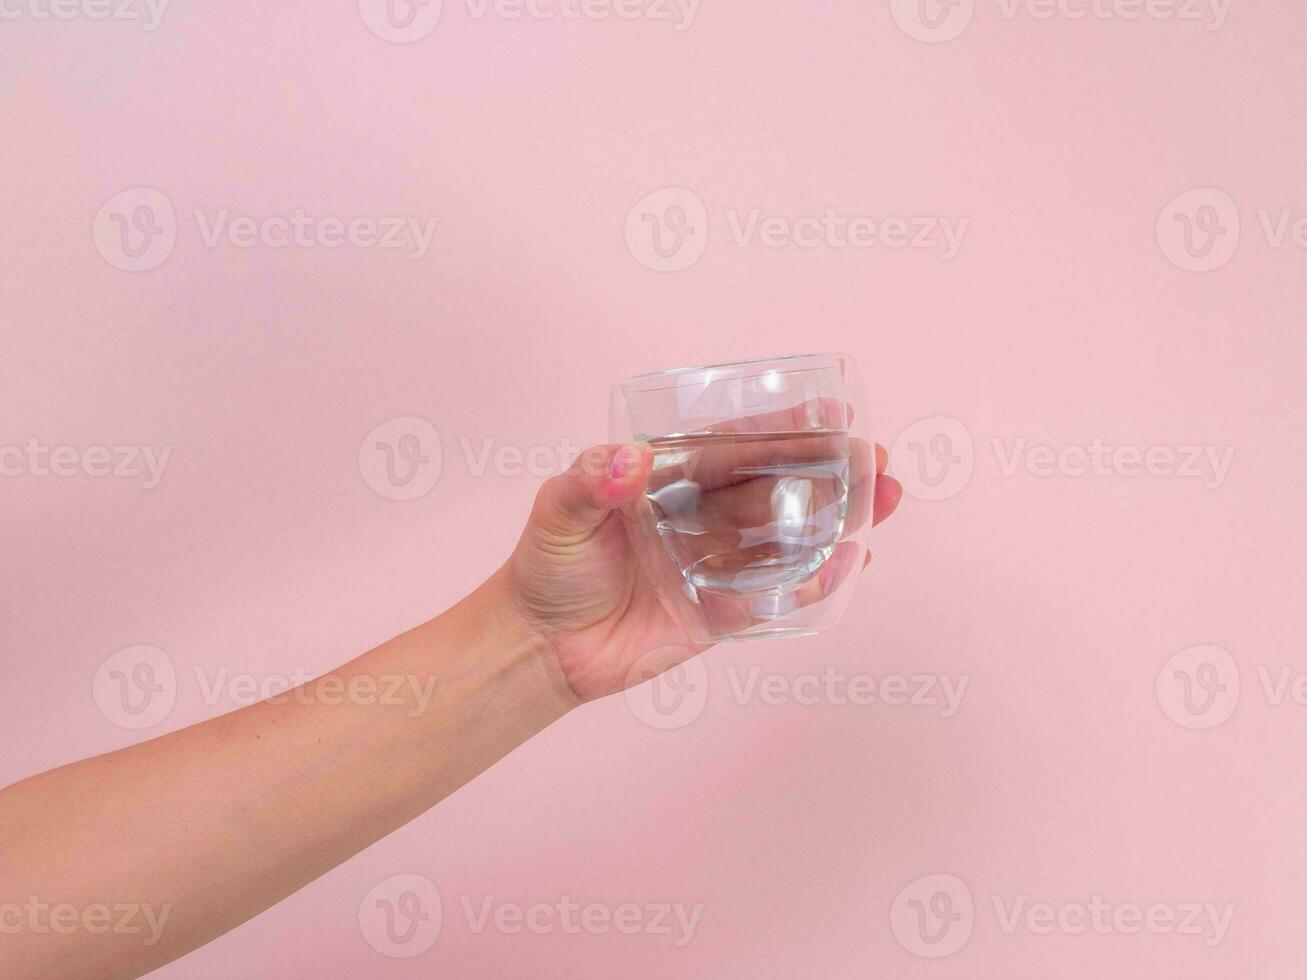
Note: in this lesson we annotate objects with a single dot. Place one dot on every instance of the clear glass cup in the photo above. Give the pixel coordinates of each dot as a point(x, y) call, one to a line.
point(757, 513)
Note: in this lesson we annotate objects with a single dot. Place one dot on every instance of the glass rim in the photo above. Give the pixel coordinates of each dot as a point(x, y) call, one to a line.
point(641, 382)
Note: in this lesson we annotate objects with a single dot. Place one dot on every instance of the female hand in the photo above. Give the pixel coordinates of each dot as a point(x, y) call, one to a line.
point(574, 578)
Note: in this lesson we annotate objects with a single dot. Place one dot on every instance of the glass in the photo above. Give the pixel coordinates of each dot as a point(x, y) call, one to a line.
point(759, 505)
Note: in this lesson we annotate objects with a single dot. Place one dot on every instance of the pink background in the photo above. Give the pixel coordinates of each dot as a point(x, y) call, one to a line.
point(1060, 321)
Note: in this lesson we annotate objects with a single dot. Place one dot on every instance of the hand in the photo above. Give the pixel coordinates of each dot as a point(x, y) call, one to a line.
point(574, 578)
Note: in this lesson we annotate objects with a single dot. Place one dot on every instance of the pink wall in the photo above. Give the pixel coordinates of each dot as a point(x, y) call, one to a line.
point(1056, 585)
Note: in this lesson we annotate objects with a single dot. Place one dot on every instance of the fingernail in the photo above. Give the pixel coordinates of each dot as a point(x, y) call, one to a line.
point(623, 462)
point(837, 569)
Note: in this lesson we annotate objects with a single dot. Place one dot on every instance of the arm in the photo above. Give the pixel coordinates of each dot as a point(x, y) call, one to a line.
point(210, 825)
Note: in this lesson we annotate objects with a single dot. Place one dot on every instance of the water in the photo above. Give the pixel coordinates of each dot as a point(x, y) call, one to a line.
point(750, 514)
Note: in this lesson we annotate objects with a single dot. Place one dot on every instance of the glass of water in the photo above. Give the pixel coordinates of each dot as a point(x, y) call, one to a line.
point(757, 513)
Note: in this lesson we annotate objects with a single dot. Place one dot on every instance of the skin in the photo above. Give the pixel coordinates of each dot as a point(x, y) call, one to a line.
point(219, 821)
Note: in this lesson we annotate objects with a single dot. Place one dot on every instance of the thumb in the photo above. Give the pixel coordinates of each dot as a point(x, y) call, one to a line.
point(602, 479)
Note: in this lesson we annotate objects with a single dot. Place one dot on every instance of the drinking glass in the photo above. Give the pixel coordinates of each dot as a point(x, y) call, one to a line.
point(758, 509)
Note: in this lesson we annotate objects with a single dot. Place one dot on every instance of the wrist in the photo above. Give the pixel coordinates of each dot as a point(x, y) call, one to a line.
point(527, 645)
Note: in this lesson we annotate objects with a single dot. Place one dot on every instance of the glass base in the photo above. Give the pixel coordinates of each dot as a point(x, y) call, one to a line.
point(772, 633)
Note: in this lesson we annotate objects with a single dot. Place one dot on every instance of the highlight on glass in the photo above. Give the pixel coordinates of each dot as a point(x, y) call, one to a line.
point(759, 506)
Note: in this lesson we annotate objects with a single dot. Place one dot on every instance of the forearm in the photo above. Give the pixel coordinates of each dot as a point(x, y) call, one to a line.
point(212, 824)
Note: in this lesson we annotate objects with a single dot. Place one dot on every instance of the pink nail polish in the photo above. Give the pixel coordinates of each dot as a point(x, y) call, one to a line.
point(621, 463)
